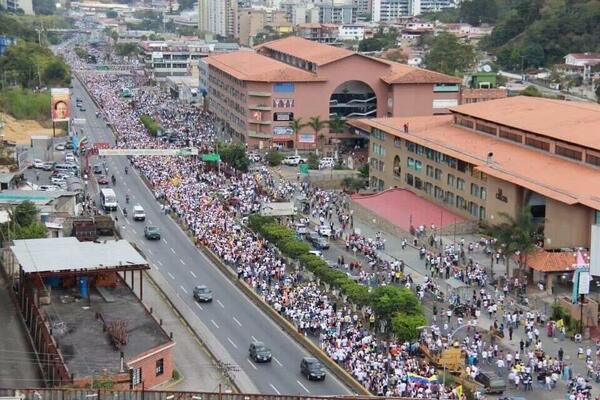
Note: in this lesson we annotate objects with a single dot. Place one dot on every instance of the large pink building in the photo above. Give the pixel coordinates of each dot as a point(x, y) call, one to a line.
point(254, 94)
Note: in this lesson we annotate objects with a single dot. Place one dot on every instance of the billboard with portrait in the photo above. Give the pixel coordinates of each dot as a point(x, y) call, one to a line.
point(59, 104)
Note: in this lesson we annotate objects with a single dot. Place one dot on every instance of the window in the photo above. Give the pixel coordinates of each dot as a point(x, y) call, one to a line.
point(481, 213)
point(489, 129)
point(538, 144)
point(409, 180)
point(463, 122)
point(511, 136)
point(397, 142)
point(418, 165)
point(460, 202)
point(473, 209)
point(482, 193)
point(462, 166)
point(474, 190)
point(428, 188)
point(160, 367)
point(592, 159)
point(460, 184)
point(418, 183)
point(450, 197)
point(379, 134)
point(567, 152)
point(410, 146)
point(429, 171)
point(439, 193)
point(410, 162)
point(451, 180)
point(397, 168)
point(438, 174)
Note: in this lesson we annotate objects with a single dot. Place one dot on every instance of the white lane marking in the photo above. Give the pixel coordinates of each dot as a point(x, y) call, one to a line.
point(181, 261)
point(160, 262)
point(171, 275)
point(156, 266)
point(133, 229)
point(236, 321)
point(221, 304)
point(274, 388)
point(164, 240)
point(199, 306)
point(149, 251)
point(277, 361)
point(182, 288)
point(193, 274)
point(214, 323)
point(254, 339)
point(251, 363)
point(303, 387)
point(172, 251)
point(233, 344)
point(128, 223)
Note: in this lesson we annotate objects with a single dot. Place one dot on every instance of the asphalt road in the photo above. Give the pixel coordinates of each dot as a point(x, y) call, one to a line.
point(231, 317)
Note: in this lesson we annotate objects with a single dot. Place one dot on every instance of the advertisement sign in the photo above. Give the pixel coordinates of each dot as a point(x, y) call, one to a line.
point(277, 209)
point(282, 130)
point(283, 103)
point(283, 116)
point(595, 251)
point(584, 282)
point(306, 138)
point(59, 104)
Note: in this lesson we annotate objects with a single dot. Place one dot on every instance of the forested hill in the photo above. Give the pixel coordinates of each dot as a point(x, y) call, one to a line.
point(535, 32)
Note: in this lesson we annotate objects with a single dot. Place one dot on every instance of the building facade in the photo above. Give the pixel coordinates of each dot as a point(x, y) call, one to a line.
point(337, 13)
point(254, 95)
point(222, 17)
point(322, 33)
point(253, 20)
point(497, 157)
point(390, 10)
point(14, 5)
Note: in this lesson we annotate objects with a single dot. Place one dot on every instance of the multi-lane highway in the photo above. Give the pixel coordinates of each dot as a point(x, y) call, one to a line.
point(233, 319)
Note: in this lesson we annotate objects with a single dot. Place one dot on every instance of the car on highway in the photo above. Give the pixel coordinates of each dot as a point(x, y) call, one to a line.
point(38, 164)
point(57, 180)
point(317, 253)
point(97, 169)
point(312, 368)
point(48, 188)
point(60, 147)
point(70, 158)
point(318, 242)
point(202, 294)
point(138, 213)
point(82, 108)
point(324, 230)
point(293, 160)
point(152, 232)
point(102, 180)
point(259, 352)
point(48, 166)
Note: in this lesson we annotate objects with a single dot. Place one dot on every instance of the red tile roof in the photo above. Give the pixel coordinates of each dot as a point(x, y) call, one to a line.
point(317, 53)
point(402, 73)
point(549, 261)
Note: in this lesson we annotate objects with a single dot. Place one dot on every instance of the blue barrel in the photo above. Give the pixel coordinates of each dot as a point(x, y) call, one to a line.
point(83, 290)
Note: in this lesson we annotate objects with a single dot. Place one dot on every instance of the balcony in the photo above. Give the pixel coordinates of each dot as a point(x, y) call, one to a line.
point(259, 94)
point(259, 122)
point(260, 107)
point(259, 135)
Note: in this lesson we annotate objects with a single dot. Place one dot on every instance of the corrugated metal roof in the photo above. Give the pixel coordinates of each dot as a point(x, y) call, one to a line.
point(69, 254)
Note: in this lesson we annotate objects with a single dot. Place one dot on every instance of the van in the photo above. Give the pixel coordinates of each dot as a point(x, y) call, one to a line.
point(492, 383)
point(68, 168)
point(138, 213)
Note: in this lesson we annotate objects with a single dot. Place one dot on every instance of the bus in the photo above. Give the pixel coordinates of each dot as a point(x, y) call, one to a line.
point(108, 199)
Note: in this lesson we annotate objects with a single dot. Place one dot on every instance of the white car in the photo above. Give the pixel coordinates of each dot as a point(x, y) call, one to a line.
point(48, 188)
point(293, 160)
point(70, 158)
point(60, 147)
point(326, 162)
point(38, 164)
point(57, 180)
point(254, 157)
point(138, 213)
point(324, 230)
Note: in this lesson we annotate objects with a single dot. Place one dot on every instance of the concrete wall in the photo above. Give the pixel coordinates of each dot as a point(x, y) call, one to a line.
point(417, 99)
point(512, 193)
point(147, 362)
point(567, 226)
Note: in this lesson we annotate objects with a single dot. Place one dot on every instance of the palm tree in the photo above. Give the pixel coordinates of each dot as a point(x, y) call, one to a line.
point(296, 124)
point(317, 125)
point(336, 124)
point(518, 235)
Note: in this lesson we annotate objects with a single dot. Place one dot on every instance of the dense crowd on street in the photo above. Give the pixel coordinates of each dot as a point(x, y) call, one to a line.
point(212, 204)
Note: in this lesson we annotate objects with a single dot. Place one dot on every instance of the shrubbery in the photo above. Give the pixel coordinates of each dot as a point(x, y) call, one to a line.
point(398, 306)
point(152, 126)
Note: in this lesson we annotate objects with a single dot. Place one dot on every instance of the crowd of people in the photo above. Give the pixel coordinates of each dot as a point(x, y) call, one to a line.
point(212, 205)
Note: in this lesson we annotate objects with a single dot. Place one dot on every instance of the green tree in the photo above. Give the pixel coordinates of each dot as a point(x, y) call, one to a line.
point(405, 326)
point(28, 62)
point(317, 125)
point(597, 91)
point(296, 124)
point(56, 73)
point(274, 158)
point(336, 124)
point(234, 155)
point(25, 213)
point(112, 14)
point(532, 91)
point(312, 161)
point(477, 12)
point(388, 300)
point(449, 55)
point(126, 49)
point(44, 7)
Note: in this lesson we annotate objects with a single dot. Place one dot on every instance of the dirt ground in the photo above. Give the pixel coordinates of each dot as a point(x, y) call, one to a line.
point(20, 131)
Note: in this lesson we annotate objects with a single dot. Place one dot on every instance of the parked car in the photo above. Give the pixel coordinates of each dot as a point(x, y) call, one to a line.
point(152, 232)
point(60, 147)
point(202, 294)
point(326, 162)
point(38, 164)
point(97, 169)
point(312, 368)
point(324, 230)
point(138, 213)
point(293, 160)
point(48, 166)
point(70, 158)
point(56, 180)
point(48, 188)
point(102, 180)
point(259, 352)
point(318, 242)
point(491, 382)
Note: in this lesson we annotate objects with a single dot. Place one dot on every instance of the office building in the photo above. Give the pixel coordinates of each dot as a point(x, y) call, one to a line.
point(322, 33)
point(251, 21)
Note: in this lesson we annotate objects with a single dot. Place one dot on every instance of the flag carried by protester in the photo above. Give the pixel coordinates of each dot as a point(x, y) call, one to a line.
point(422, 379)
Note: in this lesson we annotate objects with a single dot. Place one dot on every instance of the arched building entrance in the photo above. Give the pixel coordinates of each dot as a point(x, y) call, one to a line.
point(353, 99)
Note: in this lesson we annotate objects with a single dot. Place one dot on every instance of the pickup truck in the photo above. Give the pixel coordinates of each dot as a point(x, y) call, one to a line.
point(293, 160)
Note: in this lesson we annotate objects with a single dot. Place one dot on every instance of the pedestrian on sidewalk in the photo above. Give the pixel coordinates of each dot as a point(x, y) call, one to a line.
point(510, 332)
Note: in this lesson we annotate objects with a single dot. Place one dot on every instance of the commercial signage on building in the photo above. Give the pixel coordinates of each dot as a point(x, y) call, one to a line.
point(282, 130)
point(257, 115)
point(306, 138)
point(283, 103)
point(283, 87)
point(500, 196)
point(59, 103)
point(283, 116)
